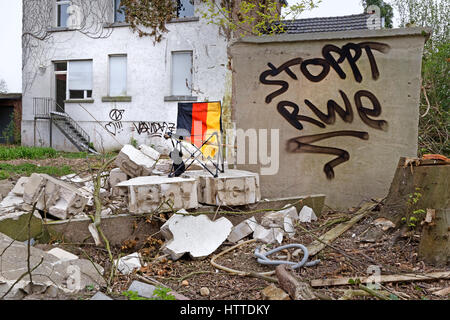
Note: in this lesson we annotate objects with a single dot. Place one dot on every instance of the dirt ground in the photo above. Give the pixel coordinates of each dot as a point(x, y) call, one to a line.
point(349, 257)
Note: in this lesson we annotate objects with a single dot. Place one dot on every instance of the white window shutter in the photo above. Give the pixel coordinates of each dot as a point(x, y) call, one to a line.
point(80, 75)
point(181, 73)
point(117, 76)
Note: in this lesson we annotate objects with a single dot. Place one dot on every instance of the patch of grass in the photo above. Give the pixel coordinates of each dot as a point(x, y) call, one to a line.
point(26, 169)
point(21, 152)
point(73, 155)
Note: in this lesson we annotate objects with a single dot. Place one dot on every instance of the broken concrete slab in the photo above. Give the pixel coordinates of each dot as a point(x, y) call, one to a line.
point(5, 187)
point(10, 202)
point(129, 263)
point(134, 162)
point(146, 194)
point(271, 235)
point(284, 219)
point(62, 255)
point(49, 271)
point(143, 289)
point(117, 176)
point(307, 215)
point(100, 296)
point(15, 225)
point(54, 196)
point(242, 230)
point(231, 188)
point(196, 235)
point(149, 152)
point(18, 188)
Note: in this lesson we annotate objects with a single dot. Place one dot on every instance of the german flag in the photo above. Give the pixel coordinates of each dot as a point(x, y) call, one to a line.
point(199, 121)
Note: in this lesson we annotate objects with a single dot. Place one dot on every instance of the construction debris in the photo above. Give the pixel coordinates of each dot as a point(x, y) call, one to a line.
point(129, 263)
point(242, 230)
point(196, 235)
point(272, 292)
point(136, 163)
point(307, 215)
point(296, 289)
point(62, 255)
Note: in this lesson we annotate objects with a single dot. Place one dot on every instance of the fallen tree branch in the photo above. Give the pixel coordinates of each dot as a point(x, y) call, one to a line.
point(373, 293)
point(382, 279)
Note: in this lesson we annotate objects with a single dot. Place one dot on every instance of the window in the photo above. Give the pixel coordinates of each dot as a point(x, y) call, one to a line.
point(79, 82)
point(117, 75)
point(118, 15)
point(185, 8)
point(61, 12)
point(182, 73)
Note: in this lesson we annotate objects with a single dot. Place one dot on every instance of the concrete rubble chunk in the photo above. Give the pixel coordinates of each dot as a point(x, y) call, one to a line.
point(18, 188)
point(59, 198)
point(196, 235)
point(143, 289)
point(134, 162)
point(271, 235)
point(231, 188)
point(284, 219)
point(242, 230)
point(149, 152)
point(117, 176)
point(146, 194)
point(129, 263)
point(67, 276)
point(307, 214)
point(62, 255)
point(10, 202)
point(272, 292)
point(100, 296)
point(5, 188)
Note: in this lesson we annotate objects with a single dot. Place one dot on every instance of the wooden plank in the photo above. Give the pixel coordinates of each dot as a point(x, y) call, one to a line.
point(327, 238)
point(382, 279)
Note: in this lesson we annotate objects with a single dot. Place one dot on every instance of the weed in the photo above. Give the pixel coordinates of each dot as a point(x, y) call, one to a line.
point(21, 152)
point(160, 293)
point(413, 213)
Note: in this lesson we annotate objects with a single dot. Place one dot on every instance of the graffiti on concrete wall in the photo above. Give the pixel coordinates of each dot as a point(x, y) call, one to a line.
point(329, 62)
point(153, 129)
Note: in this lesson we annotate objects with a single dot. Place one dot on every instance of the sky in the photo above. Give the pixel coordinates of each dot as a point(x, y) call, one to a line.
point(11, 25)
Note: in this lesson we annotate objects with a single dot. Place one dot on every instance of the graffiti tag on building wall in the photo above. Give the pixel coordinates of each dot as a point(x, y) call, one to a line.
point(153, 129)
point(289, 110)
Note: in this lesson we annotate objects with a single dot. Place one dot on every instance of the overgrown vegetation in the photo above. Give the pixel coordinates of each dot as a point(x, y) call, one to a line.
point(434, 122)
point(414, 213)
point(11, 134)
point(26, 169)
point(160, 293)
point(21, 152)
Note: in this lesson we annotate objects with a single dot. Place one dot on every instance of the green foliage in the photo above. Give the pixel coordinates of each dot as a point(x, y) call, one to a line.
point(386, 10)
point(21, 152)
point(28, 168)
point(160, 293)
point(413, 214)
point(133, 142)
point(11, 134)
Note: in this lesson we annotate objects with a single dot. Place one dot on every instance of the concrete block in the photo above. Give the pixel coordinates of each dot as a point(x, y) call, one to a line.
point(307, 214)
point(145, 194)
point(62, 255)
point(18, 188)
point(115, 177)
point(149, 152)
point(271, 235)
point(143, 289)
point(242, 230)
point(100, 296)
point(134, 162)
point(128, 264)
point(231, 188)
point(196, 235)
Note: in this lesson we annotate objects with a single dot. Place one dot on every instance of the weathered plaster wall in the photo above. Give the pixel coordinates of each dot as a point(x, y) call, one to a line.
point(364, 143)
point(147, 116)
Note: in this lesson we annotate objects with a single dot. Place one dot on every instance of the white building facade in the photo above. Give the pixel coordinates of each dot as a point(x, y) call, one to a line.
point(115, 85)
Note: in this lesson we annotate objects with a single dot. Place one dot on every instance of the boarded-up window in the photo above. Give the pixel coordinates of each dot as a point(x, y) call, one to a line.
point(182, 73)
point(118, 76)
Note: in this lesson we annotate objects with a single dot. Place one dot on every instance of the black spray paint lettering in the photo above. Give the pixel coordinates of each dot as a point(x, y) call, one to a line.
point(154, 129)
point(291, 112)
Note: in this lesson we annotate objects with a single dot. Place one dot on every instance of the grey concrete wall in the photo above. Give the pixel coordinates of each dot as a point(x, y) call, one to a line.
point(285, 82)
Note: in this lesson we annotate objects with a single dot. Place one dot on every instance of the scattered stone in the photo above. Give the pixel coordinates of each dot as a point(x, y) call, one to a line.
point(10, 202)
point(384, 223)
point(143, 289)
point(128, 264)
point(197, 235)
point(204, 291)
point(62, 255)
point(134, 162)
point(242, 230)
point(231, 188)
point(146, 194)
point(100, 296)
point(284, 219)
point(272, 292)
point(307, 215)
point(185, 283)
point(297, 289)
point(271, 235)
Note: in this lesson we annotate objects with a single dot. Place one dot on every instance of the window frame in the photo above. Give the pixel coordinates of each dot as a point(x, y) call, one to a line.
point(59, 3)
point(85, 92)
point(186, 17)
point(109, 74)
point(115, 8)
point(172, 92)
